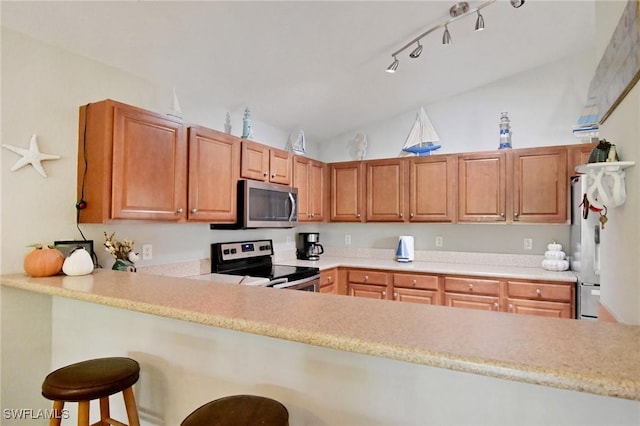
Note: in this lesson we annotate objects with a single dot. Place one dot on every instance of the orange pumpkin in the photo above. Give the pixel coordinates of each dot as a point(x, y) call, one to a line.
point(43, 262)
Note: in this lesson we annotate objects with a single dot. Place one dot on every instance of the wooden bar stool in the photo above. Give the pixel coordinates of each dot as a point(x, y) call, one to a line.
point(93, 379)
point(239, 410)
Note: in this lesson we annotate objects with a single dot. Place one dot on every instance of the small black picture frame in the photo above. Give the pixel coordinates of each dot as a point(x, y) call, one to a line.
point(68, 246)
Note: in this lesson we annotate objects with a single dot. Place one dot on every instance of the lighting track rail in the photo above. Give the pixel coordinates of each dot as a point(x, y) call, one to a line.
point(457, 11)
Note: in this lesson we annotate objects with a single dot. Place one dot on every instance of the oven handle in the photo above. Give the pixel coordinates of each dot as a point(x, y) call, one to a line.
point(277, 282)
point(286, 284)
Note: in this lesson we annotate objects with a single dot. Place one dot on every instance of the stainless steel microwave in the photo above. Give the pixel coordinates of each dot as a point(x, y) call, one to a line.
point(264, 205)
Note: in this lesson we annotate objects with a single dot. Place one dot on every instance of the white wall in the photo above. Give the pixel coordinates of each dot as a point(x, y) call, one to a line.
point(620, 277)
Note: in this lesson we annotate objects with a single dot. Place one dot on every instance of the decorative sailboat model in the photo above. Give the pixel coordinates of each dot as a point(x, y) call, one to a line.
point(422, 136)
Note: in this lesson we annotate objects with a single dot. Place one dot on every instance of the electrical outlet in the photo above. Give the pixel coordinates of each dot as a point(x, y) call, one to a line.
point(289, 240)
point(439, 241)
point(147, 252)
point(347, 239)
point(528, 244)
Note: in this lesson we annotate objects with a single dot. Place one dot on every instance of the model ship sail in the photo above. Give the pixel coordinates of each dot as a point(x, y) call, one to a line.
point(422, 136)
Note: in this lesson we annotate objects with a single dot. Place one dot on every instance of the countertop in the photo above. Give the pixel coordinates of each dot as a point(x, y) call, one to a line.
point(594, 357)
point(485, 270)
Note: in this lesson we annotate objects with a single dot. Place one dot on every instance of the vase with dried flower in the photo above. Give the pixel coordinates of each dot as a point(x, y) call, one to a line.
point(122, 251)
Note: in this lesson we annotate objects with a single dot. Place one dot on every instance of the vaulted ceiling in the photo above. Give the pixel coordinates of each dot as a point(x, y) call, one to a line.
point(318, 65)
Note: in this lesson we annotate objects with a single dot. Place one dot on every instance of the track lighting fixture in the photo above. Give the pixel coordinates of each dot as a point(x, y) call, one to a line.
point(457, 11)
point(446, 37)
point(394, 65)
point(417, 51)
point(479, 22)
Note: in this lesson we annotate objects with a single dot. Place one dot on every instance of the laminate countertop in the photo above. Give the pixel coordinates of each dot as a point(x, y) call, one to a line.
point(586, 356)
point(448, 268)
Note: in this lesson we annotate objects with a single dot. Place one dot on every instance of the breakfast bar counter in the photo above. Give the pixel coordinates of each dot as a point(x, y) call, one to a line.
point(583, 359)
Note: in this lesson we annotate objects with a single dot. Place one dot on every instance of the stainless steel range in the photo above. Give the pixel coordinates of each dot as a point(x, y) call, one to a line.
point(254, 259)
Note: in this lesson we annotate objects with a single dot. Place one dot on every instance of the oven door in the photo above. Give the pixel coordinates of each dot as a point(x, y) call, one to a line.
point(306, 284)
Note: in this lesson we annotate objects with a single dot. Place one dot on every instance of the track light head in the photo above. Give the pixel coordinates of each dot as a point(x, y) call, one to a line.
point(479, 22)
point(517, 3)
point(394, 66)
point(417, 51)
point(446, 37)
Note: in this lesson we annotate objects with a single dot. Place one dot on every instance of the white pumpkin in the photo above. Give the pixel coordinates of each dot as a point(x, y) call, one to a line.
point(554, 246)
point(79, 262)
point(555, 265)
point(555, 255)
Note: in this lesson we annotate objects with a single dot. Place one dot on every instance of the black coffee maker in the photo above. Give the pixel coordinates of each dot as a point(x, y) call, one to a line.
point(309, 247)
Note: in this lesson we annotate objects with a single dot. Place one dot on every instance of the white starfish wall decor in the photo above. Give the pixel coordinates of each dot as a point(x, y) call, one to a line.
point(31, 156)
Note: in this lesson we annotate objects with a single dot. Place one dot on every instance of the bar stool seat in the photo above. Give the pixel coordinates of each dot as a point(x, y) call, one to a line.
point(239, 410)
point(93, 379)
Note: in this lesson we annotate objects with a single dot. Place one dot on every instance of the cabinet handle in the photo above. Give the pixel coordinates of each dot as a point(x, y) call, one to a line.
point(273, 175)
point(366, 277)
point(510, 307)
point(470, 287)
point(414, 282)
point(329, 278)
point(358, 215)
point(538, 292)
point(502, 215)
point(194, 211)
point(516, 215)
point(395, 296)
point(384, 294)
point(312, 215)
point(410, 214)
point(496, 306)
point(401, 215)
point(179, 211)
point(265, 174)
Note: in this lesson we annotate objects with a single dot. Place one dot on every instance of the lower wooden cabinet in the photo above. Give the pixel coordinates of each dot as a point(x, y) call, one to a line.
point(529, 297)
point(329, 281)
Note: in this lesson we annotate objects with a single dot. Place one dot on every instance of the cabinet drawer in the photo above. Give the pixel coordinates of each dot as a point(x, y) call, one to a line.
point(472, 286)
point(368, 277)
point(427, 282)
point(528, 290)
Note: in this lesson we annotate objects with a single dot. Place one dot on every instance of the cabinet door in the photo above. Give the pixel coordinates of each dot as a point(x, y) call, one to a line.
point(346, 192)
point(540, 185)
point(433, 188)
point(540, 308)
point(482, 187)
point(279, 166)
point(329, 281)
point(149, 166)
point(578, 155)
point(385, 182)
point(367, 290)
point(484, 303)
point(301, 174)
point(426, 297)
point(254, 161)
point(318, 191)
point(214, 164)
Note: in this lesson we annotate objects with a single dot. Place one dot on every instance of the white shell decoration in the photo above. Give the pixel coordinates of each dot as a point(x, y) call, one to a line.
point(79, 262)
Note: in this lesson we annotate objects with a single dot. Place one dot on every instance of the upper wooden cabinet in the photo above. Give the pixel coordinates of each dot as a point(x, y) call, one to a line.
point(521, 185)
point(579, 154)
point(311, 177)
point(433, 188)
point(346, 192)
point(132, 164)
point(261, 162)
point(386, 190)
point(482, 187)
point(540, 183)
point(214, 166)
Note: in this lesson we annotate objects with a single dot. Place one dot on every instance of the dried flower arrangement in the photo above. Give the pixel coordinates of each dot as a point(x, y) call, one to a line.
point(120, 250)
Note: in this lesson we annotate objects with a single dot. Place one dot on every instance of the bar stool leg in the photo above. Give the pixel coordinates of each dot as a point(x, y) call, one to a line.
point(130, 405)
point(104, 410)
point(83, 413)
point(56, 416)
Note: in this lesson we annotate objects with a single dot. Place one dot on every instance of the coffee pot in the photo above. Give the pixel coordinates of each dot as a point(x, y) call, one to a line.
point(309, 247)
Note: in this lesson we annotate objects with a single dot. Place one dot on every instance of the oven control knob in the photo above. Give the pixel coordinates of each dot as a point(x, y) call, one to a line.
point(233, 251)
point(225, 251)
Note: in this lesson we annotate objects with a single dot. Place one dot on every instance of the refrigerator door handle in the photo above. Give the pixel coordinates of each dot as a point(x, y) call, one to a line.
point(596, 251)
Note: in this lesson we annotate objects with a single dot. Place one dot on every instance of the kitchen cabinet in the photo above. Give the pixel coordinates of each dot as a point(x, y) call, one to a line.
point(541, 298)
point(367, 283)
point(579, 154)
point(433, 185)
point(310, 177)
point(214, 165)
point(522, 185)
point(261, 162)
point(540, 183)
point(472, 293)
point(329, 281)
point(346, 192)
point(482, 190)
point(132, 164)
point(416, 288)
point(385, 190)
